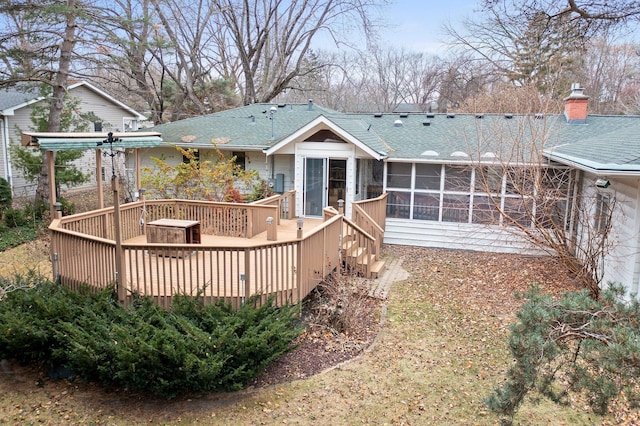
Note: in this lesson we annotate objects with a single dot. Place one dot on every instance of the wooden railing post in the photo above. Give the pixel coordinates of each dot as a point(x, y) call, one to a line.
point(247, 274)
point(272, 230)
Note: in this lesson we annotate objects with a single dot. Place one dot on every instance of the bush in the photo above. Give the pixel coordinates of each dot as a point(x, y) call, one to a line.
point(68, 208)
point(571, 346)
point(143, 347)
point(13, 237)
point(36, 210)
point(15, 217)
point(5, 195)
point(344, 303)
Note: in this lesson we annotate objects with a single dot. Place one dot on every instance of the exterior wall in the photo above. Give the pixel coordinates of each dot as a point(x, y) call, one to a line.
point(456, 236)
point(113, 117)
point(17, 123)
point(622, 264)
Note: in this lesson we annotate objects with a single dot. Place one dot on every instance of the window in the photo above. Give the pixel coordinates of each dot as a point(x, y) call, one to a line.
point(241, 159)
point(455, 208)
point(428, 176)
point(399, 175)
point(399, 204)
point(603, 213)
point(485, 210)
point(426, 206)
point(97, 126)
point(457, 178)
point(193, 153)
point(462, 194)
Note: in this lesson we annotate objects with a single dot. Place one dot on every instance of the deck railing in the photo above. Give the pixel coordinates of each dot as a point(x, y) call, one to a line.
point(375, 208)
point(288, 270)
point(286, 204)
point(222, 219)
point(84, 252)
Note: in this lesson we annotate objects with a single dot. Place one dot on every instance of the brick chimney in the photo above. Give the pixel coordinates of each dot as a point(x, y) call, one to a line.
point(575, 105)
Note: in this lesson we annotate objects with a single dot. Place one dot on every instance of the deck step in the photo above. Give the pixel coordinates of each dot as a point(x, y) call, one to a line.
point(377, 269)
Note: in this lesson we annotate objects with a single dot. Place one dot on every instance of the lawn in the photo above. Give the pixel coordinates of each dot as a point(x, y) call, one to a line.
point(440, 351)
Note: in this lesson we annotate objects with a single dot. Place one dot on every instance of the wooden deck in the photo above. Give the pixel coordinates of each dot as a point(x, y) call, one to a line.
point(244, 249)
point(219, 268)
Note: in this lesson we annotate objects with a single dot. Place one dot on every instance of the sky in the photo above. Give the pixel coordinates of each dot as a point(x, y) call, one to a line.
point(416, 24)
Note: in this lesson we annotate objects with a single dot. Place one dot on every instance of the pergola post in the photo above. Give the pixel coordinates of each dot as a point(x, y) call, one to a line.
point(137, 156)
point(120, 265)
point(51, 170)
point(99, 178)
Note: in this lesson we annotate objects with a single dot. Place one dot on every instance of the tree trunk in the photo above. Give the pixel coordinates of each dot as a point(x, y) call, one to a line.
point(59, 89)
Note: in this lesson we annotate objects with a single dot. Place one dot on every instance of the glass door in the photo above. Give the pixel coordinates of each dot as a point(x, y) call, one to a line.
point(337, 181)
point(315, 186)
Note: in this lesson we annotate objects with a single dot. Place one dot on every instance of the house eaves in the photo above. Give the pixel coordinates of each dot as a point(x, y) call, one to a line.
point(609, 169)
point(323, 123)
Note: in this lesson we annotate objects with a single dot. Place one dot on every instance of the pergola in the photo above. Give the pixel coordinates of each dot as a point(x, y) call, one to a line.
point(52, 142)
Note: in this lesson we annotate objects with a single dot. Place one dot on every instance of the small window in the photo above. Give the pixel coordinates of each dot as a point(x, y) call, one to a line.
point(241, 159)
point(196, 156)
point(97, 126)
point(428, 176)
point(457, 178)
point(603, 213)
point(399, 175)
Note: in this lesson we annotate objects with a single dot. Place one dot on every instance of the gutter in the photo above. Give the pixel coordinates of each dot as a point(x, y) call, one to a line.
point(616, 170)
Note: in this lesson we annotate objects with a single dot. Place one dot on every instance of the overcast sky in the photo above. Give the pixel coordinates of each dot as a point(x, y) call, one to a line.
point(417, 24)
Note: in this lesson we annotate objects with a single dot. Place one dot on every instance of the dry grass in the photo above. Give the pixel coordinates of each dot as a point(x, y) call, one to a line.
point(441, 350)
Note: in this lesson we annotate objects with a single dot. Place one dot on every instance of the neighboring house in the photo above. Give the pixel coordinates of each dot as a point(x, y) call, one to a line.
point(16, 105)
point(423, 161)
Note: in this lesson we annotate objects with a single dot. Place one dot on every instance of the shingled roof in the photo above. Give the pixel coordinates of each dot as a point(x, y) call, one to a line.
point(603, 142)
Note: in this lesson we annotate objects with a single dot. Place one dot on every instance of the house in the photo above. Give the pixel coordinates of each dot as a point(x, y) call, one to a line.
point(443, 172)
point(16, 106)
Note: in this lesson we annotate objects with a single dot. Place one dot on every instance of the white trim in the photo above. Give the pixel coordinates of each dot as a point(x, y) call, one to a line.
point(7, 154)
point(11, 110)
point(322, 123)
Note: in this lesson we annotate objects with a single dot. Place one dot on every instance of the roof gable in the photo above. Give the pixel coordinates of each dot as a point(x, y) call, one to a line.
point(15, 98)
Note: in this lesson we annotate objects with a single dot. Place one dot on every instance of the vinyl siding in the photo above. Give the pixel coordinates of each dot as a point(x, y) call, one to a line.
point(456, 236)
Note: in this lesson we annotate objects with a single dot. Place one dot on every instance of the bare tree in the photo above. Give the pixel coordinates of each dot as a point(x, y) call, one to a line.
point(272, 39)
point(516, 186)
point(524, 48)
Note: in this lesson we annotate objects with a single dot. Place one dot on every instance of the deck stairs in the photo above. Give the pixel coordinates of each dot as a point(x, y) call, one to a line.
point(360, 254)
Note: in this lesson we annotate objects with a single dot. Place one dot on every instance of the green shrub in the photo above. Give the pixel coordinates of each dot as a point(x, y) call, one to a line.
point(68, 207)
point(143, 347)
point(36, 210)
point(14, 218)
point(12, 237)
point(5, 195)
point(573, 346)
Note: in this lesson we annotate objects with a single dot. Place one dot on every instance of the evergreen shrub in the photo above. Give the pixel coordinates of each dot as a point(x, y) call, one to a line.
point(143, 347)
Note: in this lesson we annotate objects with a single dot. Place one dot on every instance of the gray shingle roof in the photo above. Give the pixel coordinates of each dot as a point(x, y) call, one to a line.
point(609, 140)
point(17, 95)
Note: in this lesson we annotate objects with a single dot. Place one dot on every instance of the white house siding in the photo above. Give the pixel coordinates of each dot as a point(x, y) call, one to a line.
point(113, 118)
point(283, 164)
point(623, 262)
point(456, 236)
point(19, 122)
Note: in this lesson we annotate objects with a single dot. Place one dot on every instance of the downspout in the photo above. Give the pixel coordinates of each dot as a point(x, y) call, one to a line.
point(5, 147)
